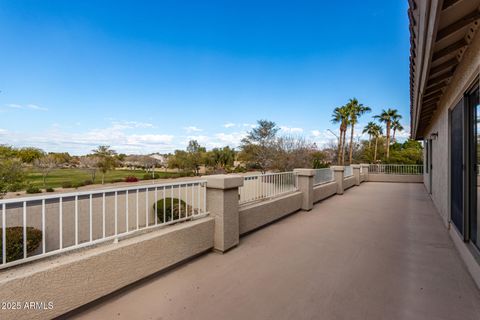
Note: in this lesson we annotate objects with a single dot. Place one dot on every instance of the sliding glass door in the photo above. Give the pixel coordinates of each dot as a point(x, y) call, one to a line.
point(472, 100)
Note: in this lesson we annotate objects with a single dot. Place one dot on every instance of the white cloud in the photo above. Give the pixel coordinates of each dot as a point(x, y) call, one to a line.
point(118, 135)
point(26, 107)
point(192, 129)
point(229, 125)
point(290, 129)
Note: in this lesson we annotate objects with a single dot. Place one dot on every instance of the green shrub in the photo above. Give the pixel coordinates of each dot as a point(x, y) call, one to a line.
point(67, 184)
point(149, 176)
point(172, 211)
point(78, 185)
point(15, 241)
point(33, 189)
point(50, 190)
point(16, 186)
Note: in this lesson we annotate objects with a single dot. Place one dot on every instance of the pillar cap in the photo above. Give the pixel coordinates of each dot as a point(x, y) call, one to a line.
point(224, 181)
point(355, 166)
point(338, 168)
point(365, 165)
point(304, 172)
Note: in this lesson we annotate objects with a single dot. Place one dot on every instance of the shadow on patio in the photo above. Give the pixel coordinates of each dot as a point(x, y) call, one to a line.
point(377, 252)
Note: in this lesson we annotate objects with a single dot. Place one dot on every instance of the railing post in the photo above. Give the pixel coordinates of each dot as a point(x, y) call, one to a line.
point(222, 204)
point(305, 185)
point(356, 173)
point(365, 170)
point(338, 173)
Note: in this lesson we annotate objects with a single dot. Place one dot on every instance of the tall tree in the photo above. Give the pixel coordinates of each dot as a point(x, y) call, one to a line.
point(377, 131)
point(259, 144)
point(340, 116)
point(355, 111)
point(387, 117)
point(46, 164)
point(106, 159)
point(370, 129)
point(195, 155)
point(396, 126)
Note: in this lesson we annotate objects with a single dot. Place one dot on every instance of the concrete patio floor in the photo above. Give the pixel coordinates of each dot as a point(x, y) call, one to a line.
point(379, 251)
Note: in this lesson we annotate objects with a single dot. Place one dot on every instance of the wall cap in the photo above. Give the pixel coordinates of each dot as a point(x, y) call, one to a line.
point(365, 165)
point(305, 172)
point(338, 168)
point(224, 181)
point(355, 166)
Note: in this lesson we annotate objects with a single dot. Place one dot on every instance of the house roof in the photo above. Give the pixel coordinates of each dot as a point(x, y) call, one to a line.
point(440, 33)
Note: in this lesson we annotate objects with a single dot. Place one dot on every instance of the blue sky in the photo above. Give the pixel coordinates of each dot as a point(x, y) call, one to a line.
point(147, 76)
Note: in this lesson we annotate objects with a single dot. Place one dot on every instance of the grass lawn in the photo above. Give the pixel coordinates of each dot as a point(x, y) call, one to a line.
point(76, 176)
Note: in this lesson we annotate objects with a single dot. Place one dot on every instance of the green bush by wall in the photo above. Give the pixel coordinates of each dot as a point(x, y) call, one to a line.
point(171, 210)
point(15, 242)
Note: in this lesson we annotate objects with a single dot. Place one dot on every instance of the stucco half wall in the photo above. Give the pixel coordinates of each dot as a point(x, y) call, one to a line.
point(253, 216)
point(324, 191)
point(348, 182)
point(84, 276)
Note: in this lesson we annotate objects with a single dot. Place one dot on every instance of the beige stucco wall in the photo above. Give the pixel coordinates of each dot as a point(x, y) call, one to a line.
point(465, 73)
point(363, 177)
point(348, 182)
point(395, 178)
point(81, 277)
point(253, 216)
point(324, 191)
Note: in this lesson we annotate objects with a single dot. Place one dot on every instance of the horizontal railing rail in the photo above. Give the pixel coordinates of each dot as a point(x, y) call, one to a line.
point(399, 169)
point(41, 226)
point(323, 176)
point(266, 186)
point(348, 171)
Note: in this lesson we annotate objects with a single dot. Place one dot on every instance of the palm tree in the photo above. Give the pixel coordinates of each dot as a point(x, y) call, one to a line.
point(370, 130)
point(396, 126)
point(377, 131)
point(355, 110)
point(387, 117)
point(340, 115)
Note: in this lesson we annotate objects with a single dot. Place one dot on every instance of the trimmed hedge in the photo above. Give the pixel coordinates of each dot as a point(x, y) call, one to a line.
point(33, 189)
point(15, 242)
point(149, 176)
point(172, 211)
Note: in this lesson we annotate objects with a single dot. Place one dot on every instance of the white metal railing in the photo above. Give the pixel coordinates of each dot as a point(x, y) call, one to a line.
point(265, 186)
point(323, 176)
point(69, 221)
point(348, 171)
point(401, 169)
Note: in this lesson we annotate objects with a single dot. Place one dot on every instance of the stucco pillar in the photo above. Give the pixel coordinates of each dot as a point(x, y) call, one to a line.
point(305, 185)
point(222, 204)
point(338, 173)
point(365, 170)
point(356, 173)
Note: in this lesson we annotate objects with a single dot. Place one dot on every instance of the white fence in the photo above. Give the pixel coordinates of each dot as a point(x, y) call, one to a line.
point(323, 176)
point(400, 169)
point(348, 171)
point(35, 227)
point(265, 186)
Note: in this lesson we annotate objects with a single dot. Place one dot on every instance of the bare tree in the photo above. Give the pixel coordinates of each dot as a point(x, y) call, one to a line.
point(90, 164)
point(46, 164)
point(149, 164)
point(293, 152)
